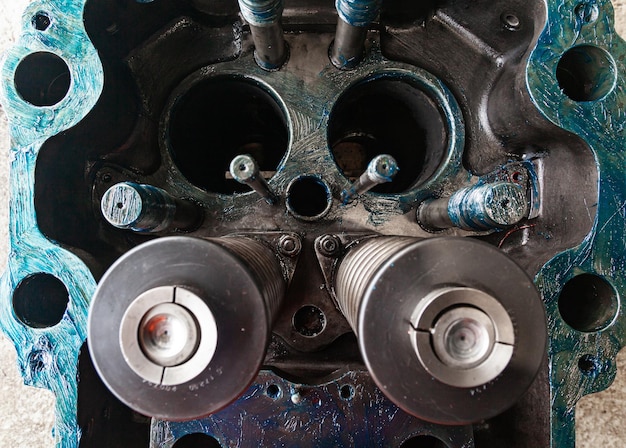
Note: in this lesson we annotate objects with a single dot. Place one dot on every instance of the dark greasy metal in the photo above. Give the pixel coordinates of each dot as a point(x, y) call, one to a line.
point(395, 291)
point(480, 207)
point(264, 18)
point(144, 208)
point(241, 284)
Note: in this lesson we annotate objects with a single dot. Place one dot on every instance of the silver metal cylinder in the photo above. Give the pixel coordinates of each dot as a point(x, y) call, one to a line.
point(144, 208)
point(245, 170)
point(480, 207)
point(434, 319)
point(264, 18)
point(179, 326)
point(381, 169)
point(354, 17)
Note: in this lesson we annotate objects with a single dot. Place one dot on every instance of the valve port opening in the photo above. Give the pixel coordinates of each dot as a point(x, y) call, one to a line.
point(218, 118)
point(588, 303)
point(586, 73)
point(308, 198)
point(388, 114)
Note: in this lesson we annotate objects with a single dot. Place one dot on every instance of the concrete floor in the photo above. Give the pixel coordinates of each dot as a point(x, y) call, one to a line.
point(27, 415)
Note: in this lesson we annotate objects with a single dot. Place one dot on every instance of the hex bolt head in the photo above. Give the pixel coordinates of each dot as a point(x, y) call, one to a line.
point(289, 245)
point(330, 245)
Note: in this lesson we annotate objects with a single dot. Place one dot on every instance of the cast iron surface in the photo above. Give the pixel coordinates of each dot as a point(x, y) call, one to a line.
point(547, 88)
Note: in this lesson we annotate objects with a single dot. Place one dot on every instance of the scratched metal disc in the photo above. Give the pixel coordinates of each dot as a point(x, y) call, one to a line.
point(232, 293)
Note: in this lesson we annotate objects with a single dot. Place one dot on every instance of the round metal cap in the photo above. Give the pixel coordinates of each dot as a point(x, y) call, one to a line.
point(178, 327)
point(436, 331)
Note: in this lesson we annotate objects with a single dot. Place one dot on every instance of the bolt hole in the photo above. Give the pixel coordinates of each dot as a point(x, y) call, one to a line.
point(41, 21)
point(346, 392)
point(510, 21)
point(588, 365)
point(196, 440)
point(40, 301)
point(586, 73)
point(423, 441)
point(120, 205)
point(309, 321)
point(517, 176)
point(42, 79)
point(308, 198)
point(588, 303)
point(273, 391)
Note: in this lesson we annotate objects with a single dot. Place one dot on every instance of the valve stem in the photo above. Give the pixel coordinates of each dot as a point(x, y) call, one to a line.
point(380, 170)
point(245, 170)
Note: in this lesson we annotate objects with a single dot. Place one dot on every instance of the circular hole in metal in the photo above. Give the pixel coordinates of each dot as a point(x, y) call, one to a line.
point(309, 321)
point(273, 391)
point(588, 303)
point(510, 21)
point(423, 441)
point(308, 198)
point(41, 21)
point(588, 364)
point(586, 73)
point(196, 440)
point(587, 12)
point(42, 79)
point(218, 118)
point(346, 392)
point(40, 300)
point(390, 114)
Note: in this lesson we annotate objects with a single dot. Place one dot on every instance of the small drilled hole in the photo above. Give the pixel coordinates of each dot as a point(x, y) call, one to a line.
point(510, 21)
point(273, 391)
point(40, 301)
point(423, 441)
point(586, 73)
point(588, 364)
point(42, 79)
point(41, 21)
point(588, 303)
point(308, 198)
point(346, 392)
point(196, 440)
point(309, 321)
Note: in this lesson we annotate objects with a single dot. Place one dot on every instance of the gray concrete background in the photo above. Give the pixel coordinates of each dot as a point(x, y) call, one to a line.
point(27, 414)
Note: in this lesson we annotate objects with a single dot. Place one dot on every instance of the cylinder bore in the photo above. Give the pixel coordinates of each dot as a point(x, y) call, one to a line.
point(391, 113)
point(450, 305)
point(213, 119)
point(168, 316)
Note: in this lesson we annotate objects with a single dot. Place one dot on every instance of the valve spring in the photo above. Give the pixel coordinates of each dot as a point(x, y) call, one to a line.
point(265, 267)
point(358, 269)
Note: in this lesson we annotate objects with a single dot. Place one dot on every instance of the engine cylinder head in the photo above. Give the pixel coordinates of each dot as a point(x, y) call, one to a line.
point(185, 321)
point(438, 319)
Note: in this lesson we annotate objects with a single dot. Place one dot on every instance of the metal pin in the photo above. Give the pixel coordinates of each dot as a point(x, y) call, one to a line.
point(380, 170)
point(245, 170)
point(355, 16)
point(480, 207)
point(264, 16)
point(144, 208)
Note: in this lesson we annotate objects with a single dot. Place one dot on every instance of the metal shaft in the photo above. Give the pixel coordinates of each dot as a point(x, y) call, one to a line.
point(144, 208)
point(481, 207)
point(245, 170)
point(354, 18)
point(380, 170)
point(264, 18)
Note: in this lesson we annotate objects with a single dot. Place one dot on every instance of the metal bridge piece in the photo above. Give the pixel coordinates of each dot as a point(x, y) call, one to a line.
point(380, 170)
point(245, 170)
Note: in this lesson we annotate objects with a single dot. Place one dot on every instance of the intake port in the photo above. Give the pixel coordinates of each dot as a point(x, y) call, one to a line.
point(210, 120)
point(393, 113)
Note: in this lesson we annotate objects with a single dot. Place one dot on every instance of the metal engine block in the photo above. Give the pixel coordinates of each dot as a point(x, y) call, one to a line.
point(263, 223)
